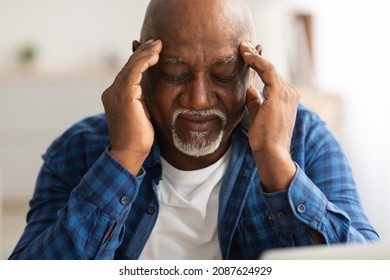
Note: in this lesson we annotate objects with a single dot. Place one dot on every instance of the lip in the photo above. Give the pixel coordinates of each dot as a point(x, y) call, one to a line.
point(198, 123)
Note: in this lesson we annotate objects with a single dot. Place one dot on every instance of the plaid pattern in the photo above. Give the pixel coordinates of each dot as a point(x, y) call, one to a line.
point(82, 192)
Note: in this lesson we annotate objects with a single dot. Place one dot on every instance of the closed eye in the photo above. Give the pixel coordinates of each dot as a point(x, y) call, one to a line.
point(223, 79)
point(175, 79)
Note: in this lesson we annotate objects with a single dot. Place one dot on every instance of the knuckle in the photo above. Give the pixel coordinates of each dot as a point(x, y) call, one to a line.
point(104, 96)
point(270, 67)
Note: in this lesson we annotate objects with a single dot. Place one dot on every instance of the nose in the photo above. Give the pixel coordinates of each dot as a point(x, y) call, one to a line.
point(200, 93)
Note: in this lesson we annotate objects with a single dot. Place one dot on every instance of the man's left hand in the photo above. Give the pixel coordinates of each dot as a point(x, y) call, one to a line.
point(272, 122)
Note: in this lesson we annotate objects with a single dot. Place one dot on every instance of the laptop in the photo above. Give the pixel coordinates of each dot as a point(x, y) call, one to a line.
point(373, 251)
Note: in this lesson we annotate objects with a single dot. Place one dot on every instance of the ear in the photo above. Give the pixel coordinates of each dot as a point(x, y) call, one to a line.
point(136, 44)
point(259, 49)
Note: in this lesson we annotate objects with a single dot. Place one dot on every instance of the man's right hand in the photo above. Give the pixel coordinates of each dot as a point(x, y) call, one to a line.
point(128, 119)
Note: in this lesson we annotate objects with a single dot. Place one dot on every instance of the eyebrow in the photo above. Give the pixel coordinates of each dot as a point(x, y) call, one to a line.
point(172, 59)
point(227, 60)
point(180, 60)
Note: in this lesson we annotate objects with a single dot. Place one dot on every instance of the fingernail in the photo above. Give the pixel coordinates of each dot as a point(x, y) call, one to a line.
point(149, 41)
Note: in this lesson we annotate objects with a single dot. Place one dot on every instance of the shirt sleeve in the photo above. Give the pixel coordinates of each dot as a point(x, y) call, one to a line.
point(322, 196)
point(82, 222)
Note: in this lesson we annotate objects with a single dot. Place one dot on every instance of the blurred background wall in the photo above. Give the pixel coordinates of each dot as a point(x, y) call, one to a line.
point(56, 58)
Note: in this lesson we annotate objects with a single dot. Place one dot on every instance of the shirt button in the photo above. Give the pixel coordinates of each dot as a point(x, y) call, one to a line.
point(281, 215)
point(150, 210)
point(269, 217)
point(124, 200)
point(301, 208)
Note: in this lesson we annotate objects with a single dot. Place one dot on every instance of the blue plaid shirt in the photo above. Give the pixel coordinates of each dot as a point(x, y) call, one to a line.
point(82, 192)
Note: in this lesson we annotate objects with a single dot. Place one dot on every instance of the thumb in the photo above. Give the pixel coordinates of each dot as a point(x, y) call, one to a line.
point(253, 102)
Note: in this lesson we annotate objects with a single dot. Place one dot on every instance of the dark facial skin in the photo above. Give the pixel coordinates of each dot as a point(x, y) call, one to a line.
point(199, 68)
point(197, 71)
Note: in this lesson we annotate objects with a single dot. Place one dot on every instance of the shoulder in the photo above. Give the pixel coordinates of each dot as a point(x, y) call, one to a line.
point(311, 137)
point(307, 118)
point(92, 125)
point(309, 125)
point(81, 144)
point(93, 128)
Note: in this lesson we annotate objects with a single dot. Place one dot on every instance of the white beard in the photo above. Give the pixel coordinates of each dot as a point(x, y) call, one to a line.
point(198, 145)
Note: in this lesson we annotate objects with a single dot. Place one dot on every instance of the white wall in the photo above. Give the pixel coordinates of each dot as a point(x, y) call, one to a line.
point(74, 39)
point(69, 33)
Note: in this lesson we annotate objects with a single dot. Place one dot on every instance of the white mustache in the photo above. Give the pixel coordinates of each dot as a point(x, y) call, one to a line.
point(200, 113)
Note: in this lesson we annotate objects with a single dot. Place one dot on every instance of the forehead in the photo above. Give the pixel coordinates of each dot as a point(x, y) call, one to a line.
point(201, 35)
point(207, 26)
point(200, 54)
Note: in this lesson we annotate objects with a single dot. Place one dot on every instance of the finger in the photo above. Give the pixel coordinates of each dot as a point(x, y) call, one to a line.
point(146, 56)
point(253, 102)
point(263, 67)
point(137, 62)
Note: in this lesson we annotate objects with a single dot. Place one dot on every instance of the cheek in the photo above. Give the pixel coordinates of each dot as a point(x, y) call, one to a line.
point(240, 93)
point(160, 101)
point(156, 105)
point(149, 93)
point(242, 85)
point(237, 103)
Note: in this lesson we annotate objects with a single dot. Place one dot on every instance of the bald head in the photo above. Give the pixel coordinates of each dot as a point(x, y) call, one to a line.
point(172, 18)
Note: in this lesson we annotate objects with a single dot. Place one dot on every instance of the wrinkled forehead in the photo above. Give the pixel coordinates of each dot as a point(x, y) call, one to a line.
point(199, 52)
point(201, 60)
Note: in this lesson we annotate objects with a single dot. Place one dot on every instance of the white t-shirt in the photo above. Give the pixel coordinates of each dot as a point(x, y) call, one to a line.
point(186, 227)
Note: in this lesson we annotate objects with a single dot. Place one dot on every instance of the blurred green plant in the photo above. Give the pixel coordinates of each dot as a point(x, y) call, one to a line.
point(27, 53)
